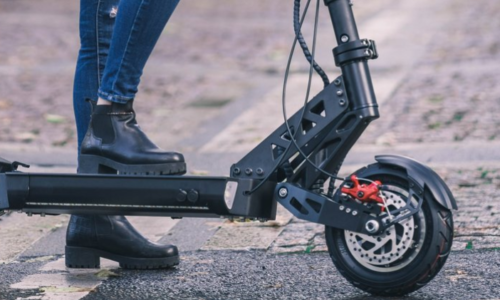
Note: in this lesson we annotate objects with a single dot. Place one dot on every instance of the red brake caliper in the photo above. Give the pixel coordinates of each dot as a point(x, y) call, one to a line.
point(363, 192)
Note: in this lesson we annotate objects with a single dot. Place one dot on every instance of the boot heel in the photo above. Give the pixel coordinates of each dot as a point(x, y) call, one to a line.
point(93, 164)
point(82, 258)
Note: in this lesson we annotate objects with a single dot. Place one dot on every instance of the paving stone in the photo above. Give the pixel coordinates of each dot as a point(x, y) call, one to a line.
point(242, 238)
point(18, 232)
point(476, 242)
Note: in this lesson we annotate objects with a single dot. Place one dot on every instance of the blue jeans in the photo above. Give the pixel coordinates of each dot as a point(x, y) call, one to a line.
point(117, 38)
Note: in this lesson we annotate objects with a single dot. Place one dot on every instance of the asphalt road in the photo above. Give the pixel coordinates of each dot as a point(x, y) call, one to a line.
point(257, 275)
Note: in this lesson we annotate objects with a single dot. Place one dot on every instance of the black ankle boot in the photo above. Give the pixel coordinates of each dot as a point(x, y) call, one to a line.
point(115, 143)
point(90, 237)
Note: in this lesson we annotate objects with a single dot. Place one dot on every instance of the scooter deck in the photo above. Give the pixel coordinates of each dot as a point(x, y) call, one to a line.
point(174, 196)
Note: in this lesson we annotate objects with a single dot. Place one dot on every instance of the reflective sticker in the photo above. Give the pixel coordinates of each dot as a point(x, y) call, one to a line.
point(230, 193)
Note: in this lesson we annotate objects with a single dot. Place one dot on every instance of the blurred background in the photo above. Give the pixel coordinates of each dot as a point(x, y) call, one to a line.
point(441, 58)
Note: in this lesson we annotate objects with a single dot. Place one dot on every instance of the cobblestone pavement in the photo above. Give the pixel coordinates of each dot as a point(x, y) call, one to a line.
point(452, 93)
point(436, 82)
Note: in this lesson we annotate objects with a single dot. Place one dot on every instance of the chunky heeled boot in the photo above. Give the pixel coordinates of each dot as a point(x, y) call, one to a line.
point(91, 237)
point(114, 143)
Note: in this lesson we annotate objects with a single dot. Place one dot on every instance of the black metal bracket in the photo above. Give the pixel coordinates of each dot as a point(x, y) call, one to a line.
point(355, 50)
point(320, 112)
point(343, 214)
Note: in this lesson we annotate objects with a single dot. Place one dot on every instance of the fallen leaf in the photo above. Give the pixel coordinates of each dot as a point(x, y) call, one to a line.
point(38, 259)
point(58, 289)
point(105, 273)
point(199, 172)
point(54, 119)
point(274, 286)
point(25, 137)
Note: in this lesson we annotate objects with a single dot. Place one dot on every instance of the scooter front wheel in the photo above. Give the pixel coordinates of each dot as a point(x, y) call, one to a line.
point(408, 254)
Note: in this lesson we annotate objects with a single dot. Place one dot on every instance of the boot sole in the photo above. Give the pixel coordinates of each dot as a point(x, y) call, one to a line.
point(93, 164)
point(87, 258)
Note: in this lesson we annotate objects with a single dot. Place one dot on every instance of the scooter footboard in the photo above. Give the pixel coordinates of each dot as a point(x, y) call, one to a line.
point(175, 196)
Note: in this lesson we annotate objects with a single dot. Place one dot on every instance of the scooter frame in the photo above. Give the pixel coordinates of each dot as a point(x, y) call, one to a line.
point(330, 125)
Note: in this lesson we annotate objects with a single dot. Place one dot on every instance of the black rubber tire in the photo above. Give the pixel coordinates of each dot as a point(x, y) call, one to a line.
point(422, 268)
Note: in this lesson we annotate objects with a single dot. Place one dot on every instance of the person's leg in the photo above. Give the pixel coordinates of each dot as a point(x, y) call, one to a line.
point(114, 141)
point(90, 237)
point(139, 24)
point(96, 29)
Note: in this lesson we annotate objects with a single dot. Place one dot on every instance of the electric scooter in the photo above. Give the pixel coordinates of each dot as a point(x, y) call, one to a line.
point(388, 226)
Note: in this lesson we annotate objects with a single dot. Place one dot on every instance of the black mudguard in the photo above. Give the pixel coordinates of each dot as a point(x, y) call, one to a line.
point(424, 176)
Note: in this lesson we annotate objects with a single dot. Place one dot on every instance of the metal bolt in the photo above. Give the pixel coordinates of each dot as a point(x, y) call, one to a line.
point(341, 207)
point(193, 196)
point(248, 171)
point(342, 102)
point(361, 194)
point(283, 192)
point(337, 82)
point(181, 195)
point(348, 210)
point(354, 213)
point(114, 12)
point(260, 171)
point(237, 171)
point(344, 38)
point(372, 226)
point(340, 93)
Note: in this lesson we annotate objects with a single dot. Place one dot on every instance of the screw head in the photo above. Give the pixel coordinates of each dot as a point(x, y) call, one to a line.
point(237, 171)
point(340, 93)
point(181, 195)
point(341, 207)
point(348, 210)
point(342, 102)
point(336, 82)
point(344, 38)
point(193, 196)
point(361, 194)
point(283, 192)
point(259, 171)
point(372, 226)
point(354, 213)
point(248, 171)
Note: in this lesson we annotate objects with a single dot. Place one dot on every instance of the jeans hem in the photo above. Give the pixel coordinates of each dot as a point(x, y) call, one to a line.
point(114, 98)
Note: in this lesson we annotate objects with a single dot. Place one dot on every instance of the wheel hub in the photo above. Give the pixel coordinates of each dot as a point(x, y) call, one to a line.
point(385, 249)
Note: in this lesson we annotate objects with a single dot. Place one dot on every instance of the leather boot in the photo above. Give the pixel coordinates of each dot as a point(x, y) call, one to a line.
point(115, 143)
point(90, 237)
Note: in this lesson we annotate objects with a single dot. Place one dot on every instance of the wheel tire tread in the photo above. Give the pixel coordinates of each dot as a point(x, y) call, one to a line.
point(443, 246)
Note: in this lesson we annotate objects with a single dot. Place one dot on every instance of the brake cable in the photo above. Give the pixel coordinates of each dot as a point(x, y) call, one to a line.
point(312, 65)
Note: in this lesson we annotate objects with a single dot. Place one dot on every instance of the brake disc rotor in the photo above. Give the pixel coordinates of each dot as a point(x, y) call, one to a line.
point(393, 249)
